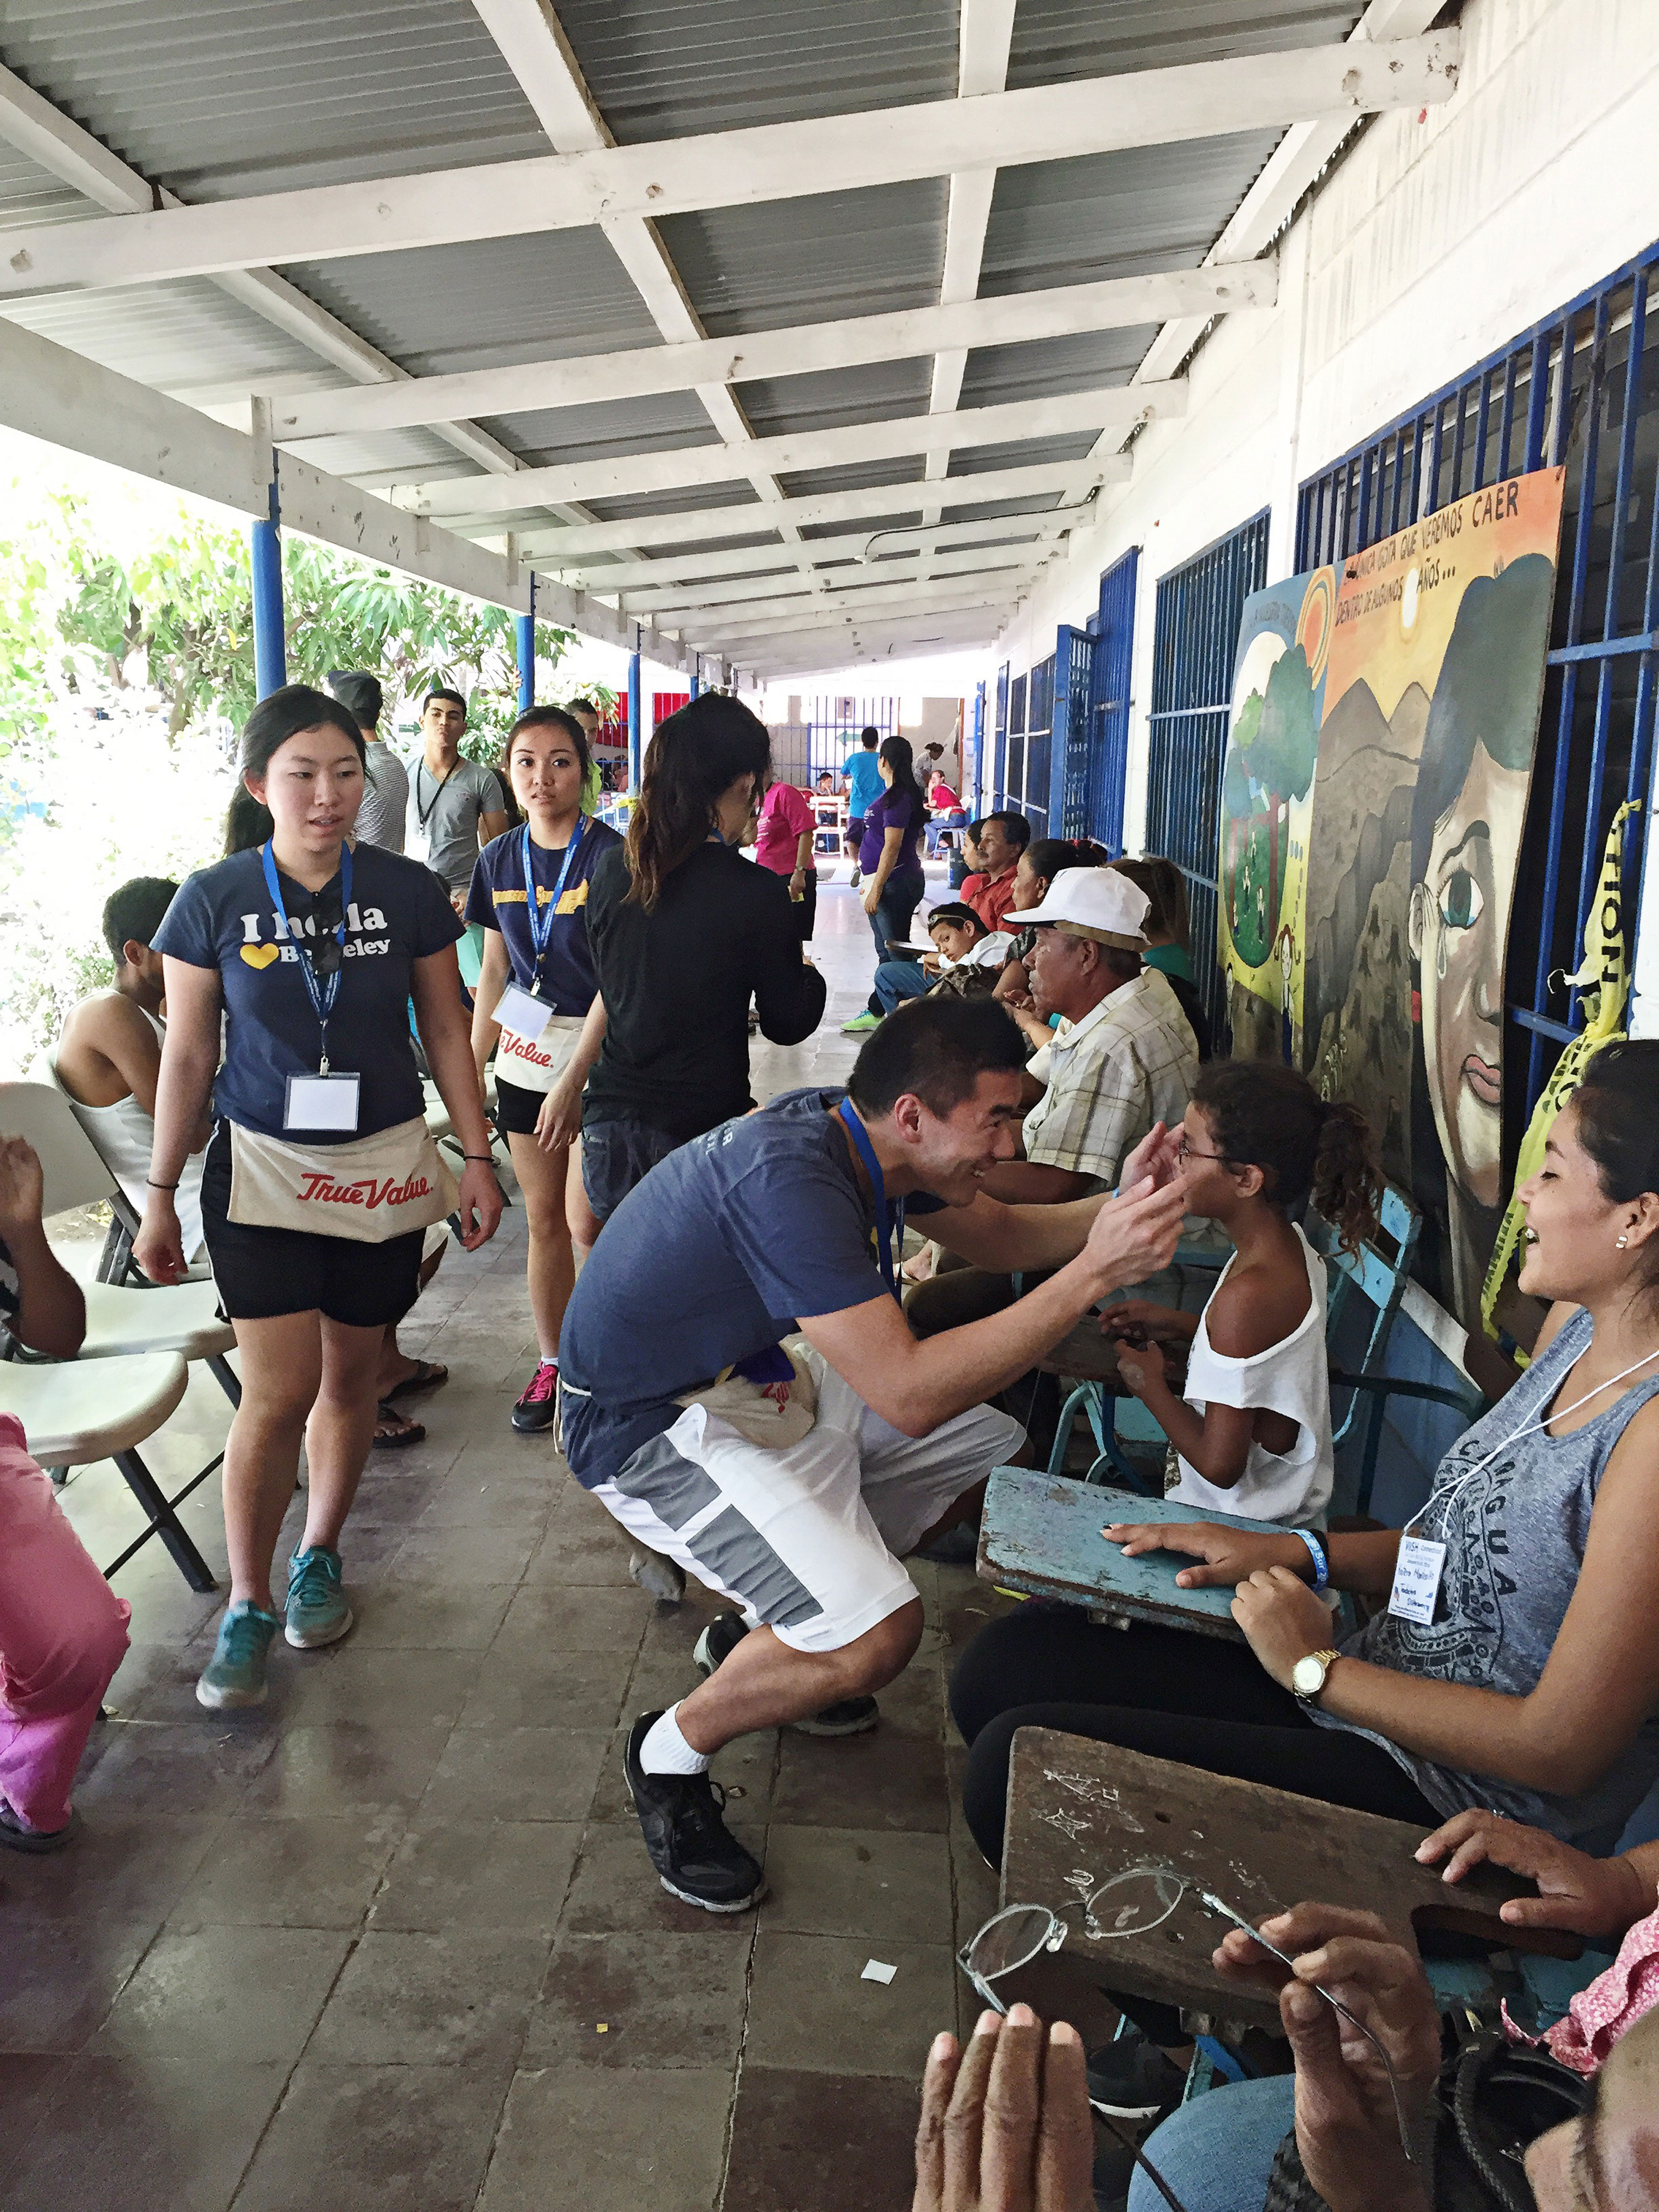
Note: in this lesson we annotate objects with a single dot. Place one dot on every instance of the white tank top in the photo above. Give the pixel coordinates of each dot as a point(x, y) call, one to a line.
point(125, 1136)
point(1289, 1378)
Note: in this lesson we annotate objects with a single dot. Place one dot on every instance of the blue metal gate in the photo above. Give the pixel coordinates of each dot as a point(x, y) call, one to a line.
point(1113, 629)
point(1196, 635)
point(1069, 760)
point(999, 766)
point(1580, 388)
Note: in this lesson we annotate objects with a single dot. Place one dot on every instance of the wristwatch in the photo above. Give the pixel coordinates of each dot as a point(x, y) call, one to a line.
point(1308, 1675)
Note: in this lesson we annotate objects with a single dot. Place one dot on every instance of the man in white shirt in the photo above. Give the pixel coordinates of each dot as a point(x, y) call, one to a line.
point(385, 800)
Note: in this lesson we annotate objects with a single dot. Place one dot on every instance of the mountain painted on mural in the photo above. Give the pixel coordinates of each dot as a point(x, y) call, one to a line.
point(1357, 1019)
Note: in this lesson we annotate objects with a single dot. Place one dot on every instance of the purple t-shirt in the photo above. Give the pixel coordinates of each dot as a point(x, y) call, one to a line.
point(894, 810)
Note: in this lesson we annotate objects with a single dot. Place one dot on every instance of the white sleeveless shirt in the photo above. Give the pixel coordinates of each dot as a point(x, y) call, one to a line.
point(1289, 1378)
point(125, 1135)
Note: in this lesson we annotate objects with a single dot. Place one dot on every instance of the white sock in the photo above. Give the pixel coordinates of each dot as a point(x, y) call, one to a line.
point(666, 1751)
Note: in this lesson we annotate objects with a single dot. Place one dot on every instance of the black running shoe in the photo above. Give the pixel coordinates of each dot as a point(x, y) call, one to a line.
point(695, 1855)
point(846, 1717)
point(1132, 2080)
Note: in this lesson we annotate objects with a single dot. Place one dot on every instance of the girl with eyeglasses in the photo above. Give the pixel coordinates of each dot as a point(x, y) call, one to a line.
point(1251, 1425)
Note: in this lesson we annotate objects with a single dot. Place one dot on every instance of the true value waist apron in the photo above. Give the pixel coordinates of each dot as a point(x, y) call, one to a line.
point(536, 1063)
point(366, 1190)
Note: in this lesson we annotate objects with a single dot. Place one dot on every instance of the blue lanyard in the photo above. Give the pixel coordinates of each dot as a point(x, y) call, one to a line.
point(890, 1212)
point(322, 995)
point(541, 925)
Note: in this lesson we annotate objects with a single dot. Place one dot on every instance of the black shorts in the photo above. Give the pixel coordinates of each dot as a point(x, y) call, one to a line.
point(617, 1154)
point(517, 1109)
point(264, 1273)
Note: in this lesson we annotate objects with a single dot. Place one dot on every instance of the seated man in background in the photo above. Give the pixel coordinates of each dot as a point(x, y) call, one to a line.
point(1121, 1060)
point(999, 840)
point(793, 1481)
point(62, 1629)
point(110, 1054)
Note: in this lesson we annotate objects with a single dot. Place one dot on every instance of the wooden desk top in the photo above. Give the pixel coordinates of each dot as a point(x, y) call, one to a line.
point(1085, 1355)
point(1080, 1813)
point(1040, 1533)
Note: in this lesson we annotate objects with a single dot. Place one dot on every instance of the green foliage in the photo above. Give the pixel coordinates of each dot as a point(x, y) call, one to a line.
point(1235, 779)
point(1286, 744)
point(179, 617)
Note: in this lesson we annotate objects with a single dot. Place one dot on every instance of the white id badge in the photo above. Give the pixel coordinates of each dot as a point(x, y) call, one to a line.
point(522, 1012)
point(1416, 1580)
point(321, 1101)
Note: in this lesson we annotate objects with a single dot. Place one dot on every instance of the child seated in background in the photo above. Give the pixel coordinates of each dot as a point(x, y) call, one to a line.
point(110, 1054)
point(1251, 1425)
point(966, 959)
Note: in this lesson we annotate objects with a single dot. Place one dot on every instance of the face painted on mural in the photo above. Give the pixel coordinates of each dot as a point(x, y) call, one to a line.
point(1460, 919)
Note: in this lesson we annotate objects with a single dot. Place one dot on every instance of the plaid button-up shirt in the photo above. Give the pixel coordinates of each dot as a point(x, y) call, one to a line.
point(1129, 1062)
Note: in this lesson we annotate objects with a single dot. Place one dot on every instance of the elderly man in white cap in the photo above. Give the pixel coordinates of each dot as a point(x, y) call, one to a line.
point(1123, 1057)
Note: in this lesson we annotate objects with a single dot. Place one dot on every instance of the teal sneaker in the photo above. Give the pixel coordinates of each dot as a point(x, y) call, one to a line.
point(317, 1608)
point(861, 1025)
point(235, 1675)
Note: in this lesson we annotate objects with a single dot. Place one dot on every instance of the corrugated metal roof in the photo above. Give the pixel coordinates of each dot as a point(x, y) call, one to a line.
point(1117, 214)
point(1029, 454)
point(811, 260)
point(29, 194)
point(1055, 40)
point(996, 375)
point(670, 419)
point(830, 398)
point(663, 69)
point(217, 97)
point(168, 336)
point(488, 305)
point(853, 476)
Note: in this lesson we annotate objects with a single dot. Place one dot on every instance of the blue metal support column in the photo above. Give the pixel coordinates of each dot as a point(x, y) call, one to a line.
point(270, 645)
point(525, 631)
point(979, 750)
point(635, 735)
point(696, 675)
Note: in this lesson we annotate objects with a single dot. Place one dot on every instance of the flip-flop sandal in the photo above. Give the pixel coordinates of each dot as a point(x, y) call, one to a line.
point(411, 1432)
point(429, 1375)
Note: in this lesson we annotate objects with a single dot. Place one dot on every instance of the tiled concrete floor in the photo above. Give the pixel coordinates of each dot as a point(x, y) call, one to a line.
point(393, 1942)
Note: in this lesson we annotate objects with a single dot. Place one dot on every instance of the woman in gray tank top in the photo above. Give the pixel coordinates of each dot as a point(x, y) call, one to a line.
point(1516, 1663)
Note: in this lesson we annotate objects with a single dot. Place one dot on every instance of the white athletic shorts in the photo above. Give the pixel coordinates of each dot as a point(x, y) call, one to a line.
point(804, 1539)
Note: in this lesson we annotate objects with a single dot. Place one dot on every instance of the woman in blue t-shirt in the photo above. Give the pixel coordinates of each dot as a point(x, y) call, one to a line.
point(888, 859)
point(320, 1176)
point(535, 987)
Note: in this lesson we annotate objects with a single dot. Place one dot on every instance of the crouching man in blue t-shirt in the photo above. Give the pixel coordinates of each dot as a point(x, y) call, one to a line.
point(793, 1479)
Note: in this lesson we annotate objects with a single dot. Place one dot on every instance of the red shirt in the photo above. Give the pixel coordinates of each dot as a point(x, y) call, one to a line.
point(990, 897)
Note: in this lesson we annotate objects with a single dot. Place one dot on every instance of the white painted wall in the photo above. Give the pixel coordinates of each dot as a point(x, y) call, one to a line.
point(1432, 244)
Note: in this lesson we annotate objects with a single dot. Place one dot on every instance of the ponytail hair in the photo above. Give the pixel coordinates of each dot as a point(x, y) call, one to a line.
point(1047, 856)
point(1167, 919)
point(1264, 1115)
point(897, 752)
point(696, 755)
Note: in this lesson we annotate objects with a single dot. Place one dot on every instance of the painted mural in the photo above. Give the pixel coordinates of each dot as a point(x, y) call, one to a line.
point(1429, 720)
point(1268, 779)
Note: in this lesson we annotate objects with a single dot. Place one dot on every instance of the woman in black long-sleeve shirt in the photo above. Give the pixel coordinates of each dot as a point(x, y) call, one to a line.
point(684, 932)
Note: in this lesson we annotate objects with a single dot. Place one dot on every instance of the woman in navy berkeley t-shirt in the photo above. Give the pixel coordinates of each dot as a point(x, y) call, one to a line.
point(888, 859)
point(309, 953)
point(535, 989)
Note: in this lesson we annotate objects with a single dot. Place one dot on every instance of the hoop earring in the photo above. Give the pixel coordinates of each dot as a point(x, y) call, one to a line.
point(1619, 1242)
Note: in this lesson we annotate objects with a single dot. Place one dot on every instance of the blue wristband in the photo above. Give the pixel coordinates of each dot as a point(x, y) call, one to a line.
point(1321, 1564)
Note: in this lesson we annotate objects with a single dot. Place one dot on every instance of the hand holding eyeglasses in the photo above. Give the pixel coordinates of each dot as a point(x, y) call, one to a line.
point(1348, 2126)
point(1006, 2124)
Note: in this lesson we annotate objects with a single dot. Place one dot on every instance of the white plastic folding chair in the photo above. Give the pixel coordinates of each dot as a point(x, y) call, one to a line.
point(124, 1323)
point(76, 1411)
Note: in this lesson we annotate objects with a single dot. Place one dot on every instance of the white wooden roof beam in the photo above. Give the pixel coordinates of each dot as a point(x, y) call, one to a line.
point(728, 630)
point(631, 475)
point(61, 146)
point(1288, 174)
point(667, 603)
point(868, 645)
point(737, 168)
point(1021, 319)
point(49, 392)
point(699, 566)
point(714, 525)
point(985, 35)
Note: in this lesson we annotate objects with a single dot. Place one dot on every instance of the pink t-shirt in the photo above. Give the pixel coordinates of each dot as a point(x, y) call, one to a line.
point(785, 815)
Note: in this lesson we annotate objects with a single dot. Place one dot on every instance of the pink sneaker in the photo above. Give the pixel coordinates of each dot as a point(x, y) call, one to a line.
point(536, 1408)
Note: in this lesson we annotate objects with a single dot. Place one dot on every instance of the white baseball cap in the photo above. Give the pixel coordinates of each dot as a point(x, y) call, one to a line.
point(1096, 902)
